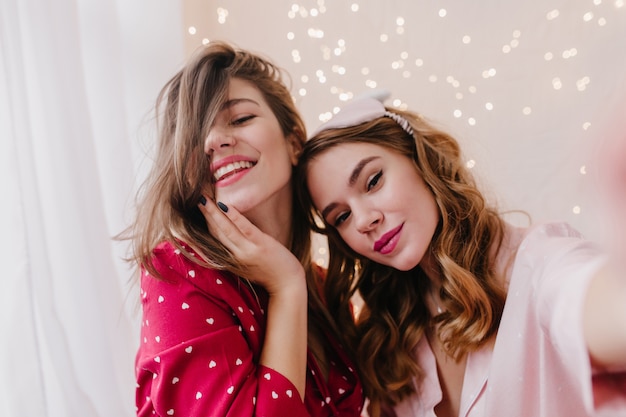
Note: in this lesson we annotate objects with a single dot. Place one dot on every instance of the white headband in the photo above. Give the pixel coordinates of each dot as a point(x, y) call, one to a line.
point(362, 110)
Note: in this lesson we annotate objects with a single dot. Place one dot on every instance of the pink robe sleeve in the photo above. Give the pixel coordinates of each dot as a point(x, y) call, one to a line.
point(560, 290)
point(201, 338)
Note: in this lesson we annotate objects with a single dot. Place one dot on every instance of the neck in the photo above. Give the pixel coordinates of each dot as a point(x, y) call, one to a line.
point(430, 267)
point(273, 216)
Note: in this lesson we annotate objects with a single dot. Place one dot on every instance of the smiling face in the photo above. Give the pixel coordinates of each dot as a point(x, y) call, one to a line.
point(376, 200)
point(251, 160)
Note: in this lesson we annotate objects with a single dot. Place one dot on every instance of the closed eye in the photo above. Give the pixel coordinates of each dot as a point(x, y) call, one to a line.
point(242, 120)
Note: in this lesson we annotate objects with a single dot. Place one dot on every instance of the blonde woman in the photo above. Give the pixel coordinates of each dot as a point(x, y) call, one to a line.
point(232, 324)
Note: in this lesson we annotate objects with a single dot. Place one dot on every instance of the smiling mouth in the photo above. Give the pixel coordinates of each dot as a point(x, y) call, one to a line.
point(231, 169)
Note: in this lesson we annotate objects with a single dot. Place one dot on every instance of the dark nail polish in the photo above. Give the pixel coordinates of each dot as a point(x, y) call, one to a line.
point(222, 206)
point(202, 200)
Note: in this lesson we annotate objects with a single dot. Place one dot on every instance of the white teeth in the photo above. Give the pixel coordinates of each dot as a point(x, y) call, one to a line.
point(227, 169)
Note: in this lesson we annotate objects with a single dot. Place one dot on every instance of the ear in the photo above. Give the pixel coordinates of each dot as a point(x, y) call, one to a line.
point(295, 146)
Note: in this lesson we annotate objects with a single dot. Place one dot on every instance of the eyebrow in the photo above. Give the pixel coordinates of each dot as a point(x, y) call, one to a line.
point(233, 102)
point(351, 181)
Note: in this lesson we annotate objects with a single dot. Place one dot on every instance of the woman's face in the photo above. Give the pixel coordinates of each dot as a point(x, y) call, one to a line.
point(251, 160)
point(376, 200)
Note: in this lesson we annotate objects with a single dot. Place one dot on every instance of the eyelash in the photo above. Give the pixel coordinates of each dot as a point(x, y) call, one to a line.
point(342, 217)
point(241, 120)
point(371, 184)
point(374, 181)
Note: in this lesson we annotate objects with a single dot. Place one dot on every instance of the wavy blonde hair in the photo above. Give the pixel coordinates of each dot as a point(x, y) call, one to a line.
point(167, 202)
point(394, 316)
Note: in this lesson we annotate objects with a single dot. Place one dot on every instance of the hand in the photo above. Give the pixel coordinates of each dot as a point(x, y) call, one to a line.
point(268, 263)
point(604, 317)
point(613, 189)
point(272, 265)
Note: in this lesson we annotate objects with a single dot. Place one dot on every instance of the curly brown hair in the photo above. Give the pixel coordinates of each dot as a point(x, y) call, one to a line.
point(394, 316)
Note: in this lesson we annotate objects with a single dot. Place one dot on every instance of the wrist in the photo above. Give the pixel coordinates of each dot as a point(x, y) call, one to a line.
point(293, 289)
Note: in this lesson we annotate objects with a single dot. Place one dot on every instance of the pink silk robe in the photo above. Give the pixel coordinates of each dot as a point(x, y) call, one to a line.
point(539, 365)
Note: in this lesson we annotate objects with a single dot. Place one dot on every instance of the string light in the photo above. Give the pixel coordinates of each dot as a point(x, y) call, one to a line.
point(524, 80)
point(553, 14)
point(222, 14)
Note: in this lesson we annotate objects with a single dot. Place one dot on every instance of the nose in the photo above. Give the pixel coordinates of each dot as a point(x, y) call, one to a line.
point(219, 137)
point(367, 218)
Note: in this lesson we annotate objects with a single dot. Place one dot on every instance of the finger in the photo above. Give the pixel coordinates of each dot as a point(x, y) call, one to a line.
point(233, 229)
point(248, 232)
point(219, 224)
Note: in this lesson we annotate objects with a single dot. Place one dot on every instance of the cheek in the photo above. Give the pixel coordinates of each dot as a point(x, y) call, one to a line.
point(354, 241)
point(280, 165)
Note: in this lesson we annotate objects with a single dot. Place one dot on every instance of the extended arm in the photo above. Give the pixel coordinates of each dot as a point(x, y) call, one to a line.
point(605, 307)
point(604, 318)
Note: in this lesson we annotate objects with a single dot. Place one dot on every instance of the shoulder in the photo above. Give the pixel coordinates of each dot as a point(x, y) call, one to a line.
point(549, 242)
point(169, 259)
point(184, 288)
point(518, 237)
point(177, 268)
point(551, 254)
point(553, 230)
point(167, 256)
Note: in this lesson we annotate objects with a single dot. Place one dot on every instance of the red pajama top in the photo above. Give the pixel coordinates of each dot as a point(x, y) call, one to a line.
point(202, 333)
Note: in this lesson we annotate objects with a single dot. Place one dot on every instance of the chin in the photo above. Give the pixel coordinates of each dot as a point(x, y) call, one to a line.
point(405, 265)
point(244, 209)
point(242, 204)
point(404, 268)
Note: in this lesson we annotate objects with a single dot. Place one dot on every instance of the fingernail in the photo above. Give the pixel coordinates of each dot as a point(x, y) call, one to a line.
point(222, 206)
point(202, 200)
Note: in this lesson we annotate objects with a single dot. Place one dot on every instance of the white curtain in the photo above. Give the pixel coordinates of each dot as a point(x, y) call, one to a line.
point(77, 82)
point(77, 79)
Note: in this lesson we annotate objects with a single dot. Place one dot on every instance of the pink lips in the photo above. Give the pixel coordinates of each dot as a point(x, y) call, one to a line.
point(235, 174)
point(388, 241)
point(231, 178)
